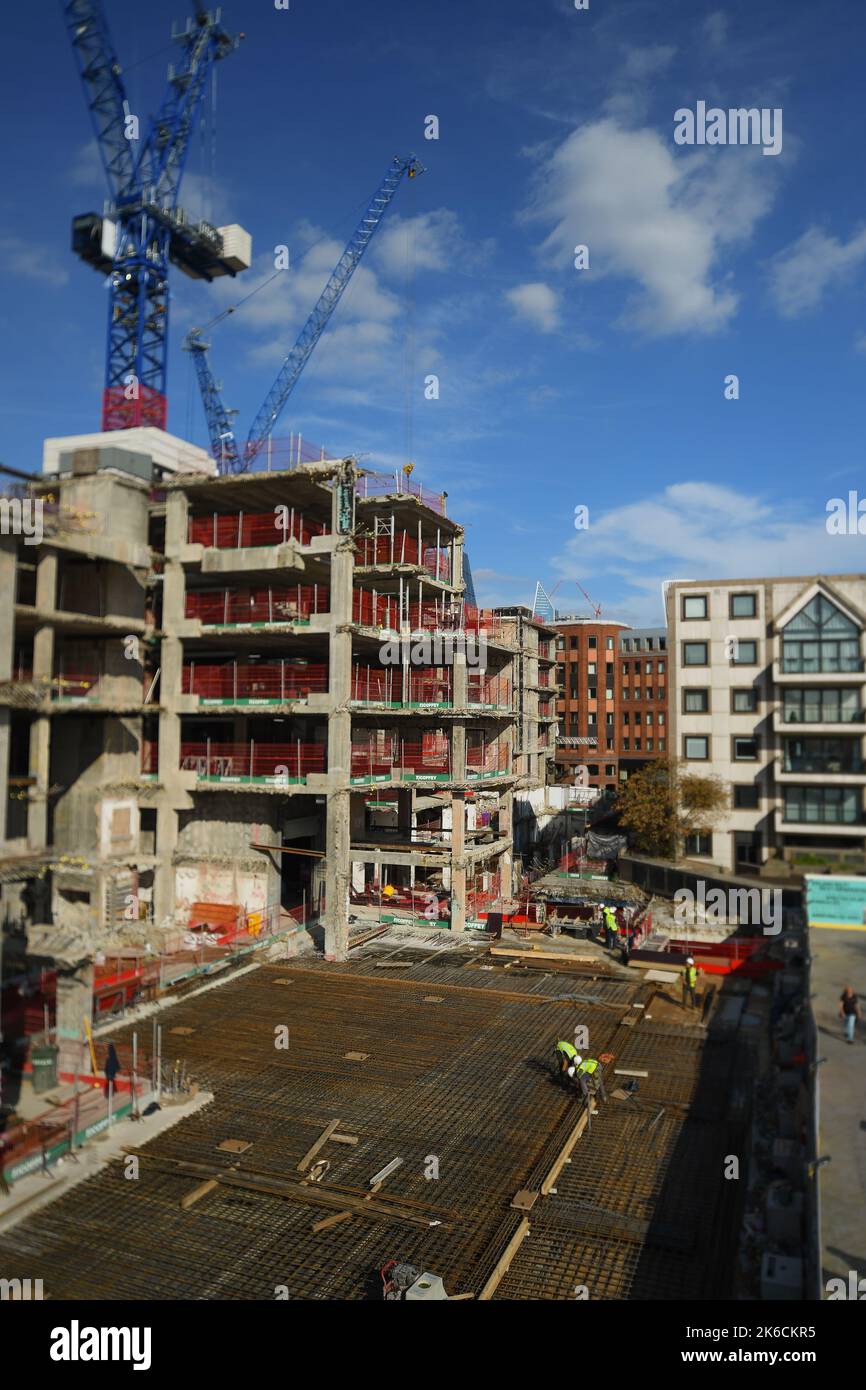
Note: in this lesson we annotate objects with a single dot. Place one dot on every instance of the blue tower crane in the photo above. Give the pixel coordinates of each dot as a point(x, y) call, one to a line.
point(144, 229)
point(225, 450)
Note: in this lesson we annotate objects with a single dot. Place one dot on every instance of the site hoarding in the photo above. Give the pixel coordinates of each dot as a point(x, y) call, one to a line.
point(836, 901)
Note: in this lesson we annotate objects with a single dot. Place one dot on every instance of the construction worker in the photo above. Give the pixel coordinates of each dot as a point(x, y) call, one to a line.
point(610, 927)
point(690, 982)
point(588, 1075)
point(566, 1053)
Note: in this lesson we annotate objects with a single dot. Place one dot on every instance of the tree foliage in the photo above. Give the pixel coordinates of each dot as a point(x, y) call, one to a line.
point(663, 803)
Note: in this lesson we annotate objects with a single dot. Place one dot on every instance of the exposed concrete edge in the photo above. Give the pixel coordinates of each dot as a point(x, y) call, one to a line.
point(39, 1191)
point(145, 1010)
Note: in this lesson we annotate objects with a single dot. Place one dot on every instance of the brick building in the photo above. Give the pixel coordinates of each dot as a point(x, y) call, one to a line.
point(642, 680)
point(587, 655)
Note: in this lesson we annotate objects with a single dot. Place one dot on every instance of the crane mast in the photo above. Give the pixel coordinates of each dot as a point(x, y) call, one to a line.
point(144, 229)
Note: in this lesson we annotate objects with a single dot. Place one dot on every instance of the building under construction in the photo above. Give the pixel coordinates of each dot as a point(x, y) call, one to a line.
point(239, 706)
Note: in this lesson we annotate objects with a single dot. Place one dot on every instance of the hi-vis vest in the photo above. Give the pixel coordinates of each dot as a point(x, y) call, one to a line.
point(691, 976)
point(567, 1048)
point(588, 1066)
point(610, 918)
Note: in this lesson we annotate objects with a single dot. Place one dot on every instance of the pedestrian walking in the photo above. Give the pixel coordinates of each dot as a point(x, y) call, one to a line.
point(849, 1011)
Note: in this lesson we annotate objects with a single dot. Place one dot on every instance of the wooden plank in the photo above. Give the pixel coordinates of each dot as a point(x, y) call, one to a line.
point(628, 1071)
point(565, 1153)
point(344, 1138)
point(503, 1264)
point(320, 1142)
point(328, 1221)
point(545, 955)
point(201, 1191)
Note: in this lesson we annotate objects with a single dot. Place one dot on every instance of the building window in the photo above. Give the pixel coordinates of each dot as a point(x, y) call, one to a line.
point(744, 653)
point(694, 606)
point(744, 700)
point(820, 638)
point(661, 716)
point(593, 642)
point(608, 694)
point(696, 701)
point(609, 745)
point(637, 745)
point(822, 706)
point(626, 644)
point(591, 668)
point(592, 692)
point(695, 654)
point(745, 750)
point(699, 844)
point(823, 805)
point(625, 745)
point(648, 668)
point(661, 745)
point(626, 717)
point(648, 693)
point(746, 796)
point(696, 746)
point(830, 756)
point(609, 770)
point(661, 668)
point(608, 718)
point(609, 644)
point(649, 717)
point(625, 672)
point(743, 605)
point(649, 745)
point(560, 644)
point(637, 644)
point(608, 668)
point(592, 769)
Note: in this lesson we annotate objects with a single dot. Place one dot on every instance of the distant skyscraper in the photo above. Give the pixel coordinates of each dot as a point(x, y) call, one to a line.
point(542, 604)
point(469, 596)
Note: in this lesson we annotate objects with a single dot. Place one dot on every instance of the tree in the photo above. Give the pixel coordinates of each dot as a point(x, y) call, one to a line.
point(662, 803)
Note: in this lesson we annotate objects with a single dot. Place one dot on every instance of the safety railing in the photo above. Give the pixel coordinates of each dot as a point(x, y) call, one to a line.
point(399, 484)
point(382, 753)
point(248, 762)
point(234, 682)
point(486, 759)
point(401, 686)
point(234, 530)
point(402, 548)
point(423, 903)
point(241, 607)
point(492, 691)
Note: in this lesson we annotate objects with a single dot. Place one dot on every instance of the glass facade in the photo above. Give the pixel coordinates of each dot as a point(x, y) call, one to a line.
point(821, 706)
point(820, 638)
point(827, 755)
point(823, 805)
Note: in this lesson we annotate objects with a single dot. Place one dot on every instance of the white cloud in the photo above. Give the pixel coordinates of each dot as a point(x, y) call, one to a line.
point(803, 271)
point(860, 343)
point(715, 29)
point(632, 85)
point(431, 241)
point(701, 530)
point(658, 220)
point(85, 168)
point(537, 303)
point(32, 262)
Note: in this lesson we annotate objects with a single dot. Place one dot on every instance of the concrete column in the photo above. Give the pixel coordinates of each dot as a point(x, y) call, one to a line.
point(458, 861)
point(8, 564)
point(171, 667)
point(74, 1005)
point(337, 838)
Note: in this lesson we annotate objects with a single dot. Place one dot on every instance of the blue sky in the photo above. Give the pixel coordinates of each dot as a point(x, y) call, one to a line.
point(602, 387)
